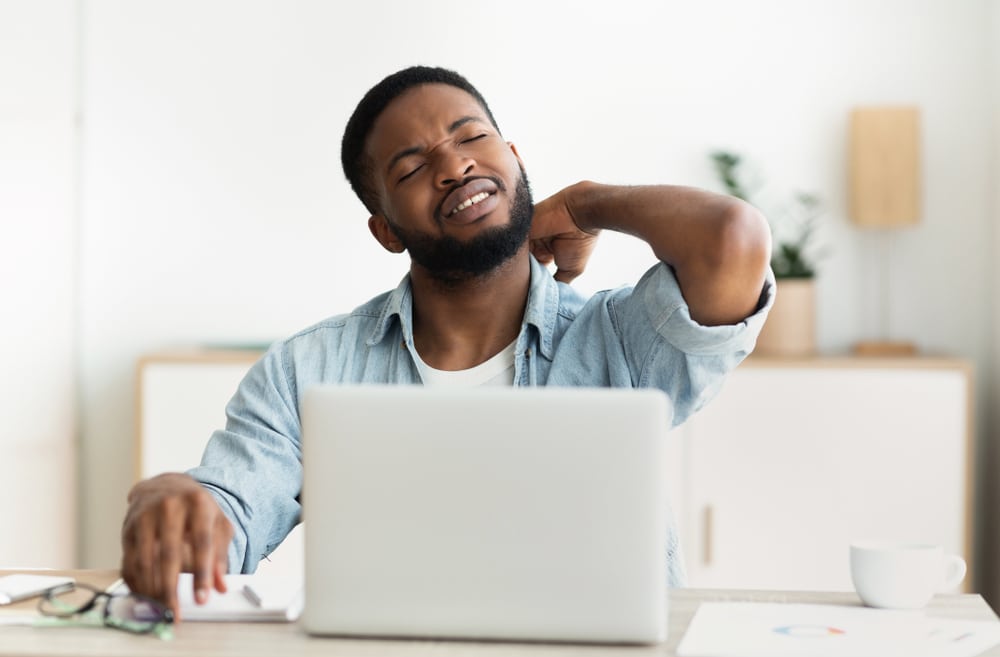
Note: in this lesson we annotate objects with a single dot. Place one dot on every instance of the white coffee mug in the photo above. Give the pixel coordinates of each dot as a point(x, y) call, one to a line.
point(894, 575)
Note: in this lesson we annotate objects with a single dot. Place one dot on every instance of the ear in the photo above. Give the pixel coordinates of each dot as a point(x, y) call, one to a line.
point(382, 231)
point(513, 149)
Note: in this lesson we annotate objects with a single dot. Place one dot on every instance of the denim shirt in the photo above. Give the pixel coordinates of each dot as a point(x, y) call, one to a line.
point(641, 336)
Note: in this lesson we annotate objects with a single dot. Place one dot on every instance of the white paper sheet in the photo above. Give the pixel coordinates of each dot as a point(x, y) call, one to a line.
point(280, 599)
point(748, 629)
point(21, 618)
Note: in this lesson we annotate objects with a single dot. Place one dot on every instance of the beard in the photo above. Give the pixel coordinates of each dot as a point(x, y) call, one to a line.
point(451, 261)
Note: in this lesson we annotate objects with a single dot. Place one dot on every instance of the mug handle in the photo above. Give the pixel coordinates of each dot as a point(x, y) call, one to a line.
point(955, 569)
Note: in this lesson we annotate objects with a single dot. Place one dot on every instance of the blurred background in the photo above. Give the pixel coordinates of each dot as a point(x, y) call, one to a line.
point(169, 176)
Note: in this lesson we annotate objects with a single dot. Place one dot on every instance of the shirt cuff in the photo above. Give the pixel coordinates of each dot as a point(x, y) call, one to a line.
point(671, 316)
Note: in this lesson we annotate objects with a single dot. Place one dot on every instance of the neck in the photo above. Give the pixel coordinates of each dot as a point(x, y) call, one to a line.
point(460, 324)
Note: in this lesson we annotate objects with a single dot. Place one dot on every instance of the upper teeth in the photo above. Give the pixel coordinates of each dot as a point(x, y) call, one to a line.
point(469, 202)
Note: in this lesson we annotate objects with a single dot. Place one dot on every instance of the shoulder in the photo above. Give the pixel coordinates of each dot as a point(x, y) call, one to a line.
point(367, 314)
point(333, 349)
point(330, 339)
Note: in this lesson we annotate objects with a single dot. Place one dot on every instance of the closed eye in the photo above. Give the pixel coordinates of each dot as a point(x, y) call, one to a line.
point(410, 173)
point(476, 138)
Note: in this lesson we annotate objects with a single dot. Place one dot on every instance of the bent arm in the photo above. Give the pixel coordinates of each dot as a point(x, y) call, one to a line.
point(718, 246)
point(253, 467)
point(231, 510)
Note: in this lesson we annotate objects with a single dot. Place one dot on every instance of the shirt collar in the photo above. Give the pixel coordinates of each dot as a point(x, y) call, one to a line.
point(542, 307)
point(399, 304)
point(540, 311)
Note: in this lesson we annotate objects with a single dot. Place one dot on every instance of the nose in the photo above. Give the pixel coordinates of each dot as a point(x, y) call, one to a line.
point(452, 167)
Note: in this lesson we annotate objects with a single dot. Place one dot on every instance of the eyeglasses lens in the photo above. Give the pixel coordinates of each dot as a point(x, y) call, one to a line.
point(136, 614)
point(67, 602)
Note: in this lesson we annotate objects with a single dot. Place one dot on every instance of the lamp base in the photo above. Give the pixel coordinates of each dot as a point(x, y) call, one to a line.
point(884, 348)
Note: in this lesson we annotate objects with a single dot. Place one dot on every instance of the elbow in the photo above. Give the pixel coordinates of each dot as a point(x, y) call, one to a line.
point(744, 242)
point(724, 282)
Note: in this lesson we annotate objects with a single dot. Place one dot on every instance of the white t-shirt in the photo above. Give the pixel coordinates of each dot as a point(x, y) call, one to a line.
point(497, 371)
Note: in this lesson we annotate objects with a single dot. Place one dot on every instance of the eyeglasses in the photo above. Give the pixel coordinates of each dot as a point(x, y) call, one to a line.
point(130, 612)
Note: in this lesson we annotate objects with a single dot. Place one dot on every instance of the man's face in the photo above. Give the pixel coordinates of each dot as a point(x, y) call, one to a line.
point(451, 191)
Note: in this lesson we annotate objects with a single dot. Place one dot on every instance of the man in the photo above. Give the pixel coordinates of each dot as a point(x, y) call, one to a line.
point(424, 153)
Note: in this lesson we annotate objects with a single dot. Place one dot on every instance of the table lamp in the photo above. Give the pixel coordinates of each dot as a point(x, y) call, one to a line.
point(885, 194)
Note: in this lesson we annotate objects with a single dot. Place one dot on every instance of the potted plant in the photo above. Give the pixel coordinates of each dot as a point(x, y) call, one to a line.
point(791, 327)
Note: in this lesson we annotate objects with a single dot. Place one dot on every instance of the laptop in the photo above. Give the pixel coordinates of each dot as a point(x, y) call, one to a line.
point(534, 514)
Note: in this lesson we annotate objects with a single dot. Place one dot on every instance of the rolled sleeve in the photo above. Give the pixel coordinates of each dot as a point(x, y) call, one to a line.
point(671, 317)
point(669, 350)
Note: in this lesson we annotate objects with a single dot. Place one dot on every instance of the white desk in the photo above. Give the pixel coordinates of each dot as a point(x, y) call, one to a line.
point(269, 640)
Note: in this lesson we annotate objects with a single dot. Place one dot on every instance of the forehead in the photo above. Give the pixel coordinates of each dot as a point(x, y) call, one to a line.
point(419, 116)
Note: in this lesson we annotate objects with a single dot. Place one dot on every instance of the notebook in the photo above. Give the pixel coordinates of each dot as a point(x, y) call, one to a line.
point(485, 513)
point(248, 598)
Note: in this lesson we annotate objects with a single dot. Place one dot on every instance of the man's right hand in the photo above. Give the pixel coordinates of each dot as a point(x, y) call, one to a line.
point(174, 525)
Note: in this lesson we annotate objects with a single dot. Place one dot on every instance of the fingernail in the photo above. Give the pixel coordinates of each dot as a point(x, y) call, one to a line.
point(201, 596)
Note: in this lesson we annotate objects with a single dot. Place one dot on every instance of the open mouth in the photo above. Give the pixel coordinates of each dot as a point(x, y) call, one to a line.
point(469, 202)
point(470, 198)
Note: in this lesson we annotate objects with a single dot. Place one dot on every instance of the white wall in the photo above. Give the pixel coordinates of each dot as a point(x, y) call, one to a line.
point(38, 86)
point(213, 207)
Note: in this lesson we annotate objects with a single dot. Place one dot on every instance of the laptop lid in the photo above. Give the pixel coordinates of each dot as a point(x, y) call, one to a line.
point(488, 513)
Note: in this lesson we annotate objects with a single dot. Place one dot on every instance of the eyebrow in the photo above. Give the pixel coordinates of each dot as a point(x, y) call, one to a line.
point(414, 150)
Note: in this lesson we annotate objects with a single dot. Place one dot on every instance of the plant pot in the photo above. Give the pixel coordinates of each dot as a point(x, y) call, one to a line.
point(790, 329)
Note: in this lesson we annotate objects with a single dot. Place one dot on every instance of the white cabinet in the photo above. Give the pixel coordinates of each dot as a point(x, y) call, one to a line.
point(770, 482)
point(182, 400)
point(794, 459)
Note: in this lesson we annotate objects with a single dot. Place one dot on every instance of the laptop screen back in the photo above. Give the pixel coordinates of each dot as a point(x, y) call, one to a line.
point(499, 513)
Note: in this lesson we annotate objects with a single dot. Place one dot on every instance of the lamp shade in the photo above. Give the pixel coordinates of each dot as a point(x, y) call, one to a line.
point(885, 166)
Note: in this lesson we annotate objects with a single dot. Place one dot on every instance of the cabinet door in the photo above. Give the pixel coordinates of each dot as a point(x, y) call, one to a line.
point(181, 404)
point(789, 465)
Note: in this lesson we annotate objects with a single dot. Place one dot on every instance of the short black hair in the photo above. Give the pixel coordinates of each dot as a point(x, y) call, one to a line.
point(357, 166)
